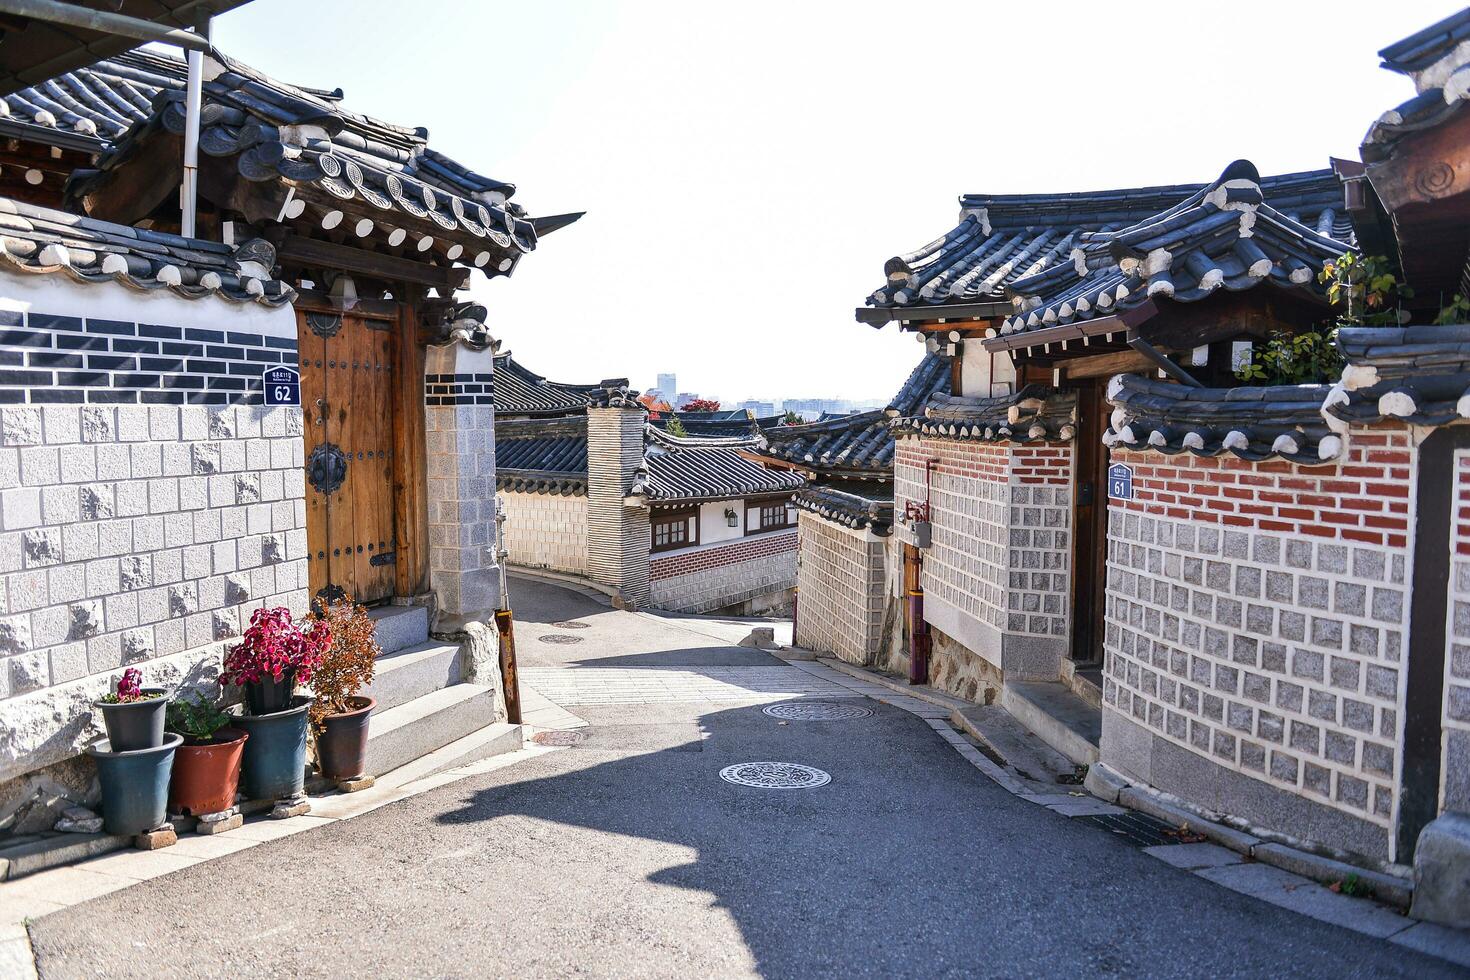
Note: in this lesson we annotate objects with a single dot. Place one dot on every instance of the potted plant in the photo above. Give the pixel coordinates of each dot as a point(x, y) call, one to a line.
point(339, 715)
point(271, 657)
point(206, 773)
point(134, 784)
point(132, 713)
point(275, 653)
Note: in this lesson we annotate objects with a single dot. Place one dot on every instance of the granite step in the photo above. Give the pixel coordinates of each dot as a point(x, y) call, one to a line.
point(482, 743)
point(431, 721)
point(401, 627)
point(1063, 720)
point(411, 673)
point(1019, 749)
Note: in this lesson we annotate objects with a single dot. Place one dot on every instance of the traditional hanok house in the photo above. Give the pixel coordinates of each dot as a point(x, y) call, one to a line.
point(849, 585)
point(592, 489)
point(152, 500)
point(727, 422)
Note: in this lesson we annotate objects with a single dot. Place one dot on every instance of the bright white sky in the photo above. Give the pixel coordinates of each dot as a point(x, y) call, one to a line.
point(747, 168)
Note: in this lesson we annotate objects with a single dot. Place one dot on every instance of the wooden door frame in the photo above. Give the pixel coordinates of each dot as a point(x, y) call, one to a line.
point(1089, 523)
point(410, 484)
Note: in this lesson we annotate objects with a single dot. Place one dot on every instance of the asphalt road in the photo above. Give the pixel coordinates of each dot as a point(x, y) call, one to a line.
point(629, 856)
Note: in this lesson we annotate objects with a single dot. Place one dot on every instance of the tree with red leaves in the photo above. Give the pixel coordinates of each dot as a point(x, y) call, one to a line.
point(700, 405)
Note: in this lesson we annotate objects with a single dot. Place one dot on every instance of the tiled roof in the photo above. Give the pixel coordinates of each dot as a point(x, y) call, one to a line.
point(1252, 423)
point(705, 469)
point(1002, 239)
point(43, 241)
point(332, 158)
point(541, 455)
point(1224, 236)
point(520, 391)
point(854, 509)
point(1034, 414)
point(861, 442)
point(1420, 375)
point(1440, 68)
point(734, 422)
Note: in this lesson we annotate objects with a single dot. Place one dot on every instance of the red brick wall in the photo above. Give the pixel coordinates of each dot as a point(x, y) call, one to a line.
point(1362, 498)
point(745, 549)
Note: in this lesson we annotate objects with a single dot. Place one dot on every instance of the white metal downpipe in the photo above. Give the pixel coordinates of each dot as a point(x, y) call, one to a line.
point(189, 192)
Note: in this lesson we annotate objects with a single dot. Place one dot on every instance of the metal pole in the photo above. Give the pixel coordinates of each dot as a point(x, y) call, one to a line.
point(505, 623)
point(193, 94)
point(55, 12)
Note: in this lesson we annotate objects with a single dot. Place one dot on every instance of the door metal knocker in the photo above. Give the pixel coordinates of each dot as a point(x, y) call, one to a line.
point(326, 468)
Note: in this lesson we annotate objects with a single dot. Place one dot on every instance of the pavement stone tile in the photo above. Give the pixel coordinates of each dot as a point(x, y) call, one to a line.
point(193, 845)
point(47, 891)
point(1192, 857)
point(1308, 898)
point(140, 865)
point(1084, 808)
point(266, 830)
point(1436, 940)
point(16, 962)
point(1255, 879)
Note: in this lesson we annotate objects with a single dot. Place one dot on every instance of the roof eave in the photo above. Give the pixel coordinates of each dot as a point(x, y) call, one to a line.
point(878, 316)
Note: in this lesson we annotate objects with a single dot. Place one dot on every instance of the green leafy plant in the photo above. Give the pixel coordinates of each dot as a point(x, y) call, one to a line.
point(1457, 312)
point(676, 429)
point(1294, 359)
point(1352, 886)
point(196, 717)
point(1368, 289)
point(791, 418)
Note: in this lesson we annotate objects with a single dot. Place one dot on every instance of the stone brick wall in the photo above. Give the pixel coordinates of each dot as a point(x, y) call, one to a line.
point(995, 578)
point(1256, 624)
point(722, 575)
point(459, 429)
point(1455, 770)
point(840, 601)
point(140, 523)
point(546, 530)
point(617, 535)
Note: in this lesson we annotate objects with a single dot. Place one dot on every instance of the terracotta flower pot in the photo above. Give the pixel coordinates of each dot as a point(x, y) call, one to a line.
point(206, 776)
point(133, 725)
point(274, 764)
point(267, 696)
point(341, 745)
point(134, 784)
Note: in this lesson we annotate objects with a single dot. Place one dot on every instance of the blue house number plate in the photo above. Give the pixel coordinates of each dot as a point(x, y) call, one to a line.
point(282, 386)
point(1120, 481)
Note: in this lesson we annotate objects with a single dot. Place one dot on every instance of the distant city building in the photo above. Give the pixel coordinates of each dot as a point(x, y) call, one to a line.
point(758, 407)
point(684, 397)
point(668, 384)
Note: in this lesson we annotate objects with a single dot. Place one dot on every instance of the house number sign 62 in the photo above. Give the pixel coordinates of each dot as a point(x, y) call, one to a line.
point(1120, 482)
point(282, 386)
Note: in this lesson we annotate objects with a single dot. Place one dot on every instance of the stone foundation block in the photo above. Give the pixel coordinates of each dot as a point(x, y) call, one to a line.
point(356, 784)
point(1442, 872)
point(232, 822)
point(164, 836)
point(290, 808)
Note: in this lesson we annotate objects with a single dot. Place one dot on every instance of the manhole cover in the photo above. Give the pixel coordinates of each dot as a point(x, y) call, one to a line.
point(571, 624)
point(559, 638)
point(817, 711)
point(561, 737)
point(775, 775)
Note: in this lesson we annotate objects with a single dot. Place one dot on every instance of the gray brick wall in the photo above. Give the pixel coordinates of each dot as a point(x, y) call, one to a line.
point(1274, 655)
point(840, 603)
point(1455, 771)
point(546, 530)
point(739, 571)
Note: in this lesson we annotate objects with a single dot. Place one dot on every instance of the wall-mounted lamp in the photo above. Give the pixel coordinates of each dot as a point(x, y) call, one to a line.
point(731, 518)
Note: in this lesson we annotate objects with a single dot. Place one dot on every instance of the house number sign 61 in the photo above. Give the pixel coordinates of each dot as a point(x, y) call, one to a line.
point(282, 386)
point(1120, 482)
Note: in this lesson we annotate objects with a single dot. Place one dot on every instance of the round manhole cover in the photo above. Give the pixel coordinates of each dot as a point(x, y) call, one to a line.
point(775, 775)
point(559, 737)
point(817, 711)
point(559, 638)
point(571, 624)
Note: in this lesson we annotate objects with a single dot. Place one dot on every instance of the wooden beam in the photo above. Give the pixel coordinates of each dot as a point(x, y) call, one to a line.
point(351, 259)
point(1104, 365)
point(411, 476)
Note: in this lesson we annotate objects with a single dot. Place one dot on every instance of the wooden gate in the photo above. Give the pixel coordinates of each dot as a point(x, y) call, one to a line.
point(1090, 523)
point(347, 404)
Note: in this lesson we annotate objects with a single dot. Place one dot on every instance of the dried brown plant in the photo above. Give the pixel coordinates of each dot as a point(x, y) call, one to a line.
point(347, 665)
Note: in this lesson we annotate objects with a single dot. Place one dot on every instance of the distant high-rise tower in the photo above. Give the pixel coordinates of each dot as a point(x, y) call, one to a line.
point(668, 384)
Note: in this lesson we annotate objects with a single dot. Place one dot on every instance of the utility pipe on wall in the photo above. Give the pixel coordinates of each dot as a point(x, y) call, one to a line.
point(193, 94)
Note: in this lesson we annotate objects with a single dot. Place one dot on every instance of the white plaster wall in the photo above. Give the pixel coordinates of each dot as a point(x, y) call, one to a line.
point(546, 530)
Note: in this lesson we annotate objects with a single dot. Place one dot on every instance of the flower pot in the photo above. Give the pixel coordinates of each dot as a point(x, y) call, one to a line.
point(274, 763)
point(341, 745)
point(134, 784)
point(206, 776)
point(135, 724)
point(268, 695)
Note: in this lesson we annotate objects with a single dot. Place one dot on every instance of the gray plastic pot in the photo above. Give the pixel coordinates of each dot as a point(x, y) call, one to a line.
point(135, 724)
point(274, 766)
point(134, 784)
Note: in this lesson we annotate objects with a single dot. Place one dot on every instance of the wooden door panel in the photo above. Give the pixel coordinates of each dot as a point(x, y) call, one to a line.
point(349, 403)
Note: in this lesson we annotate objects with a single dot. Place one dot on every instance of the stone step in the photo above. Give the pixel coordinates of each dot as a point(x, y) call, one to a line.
point(407, 674)
point(43, 851)
point(431, 721)
point(1021, 749)
point(1086, 683)
point(492, 740)
point(400, 627)
point(1062, 719)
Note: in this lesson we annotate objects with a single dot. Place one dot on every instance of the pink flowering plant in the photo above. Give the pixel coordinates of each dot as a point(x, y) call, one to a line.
point(129, 689)
point(274, 645)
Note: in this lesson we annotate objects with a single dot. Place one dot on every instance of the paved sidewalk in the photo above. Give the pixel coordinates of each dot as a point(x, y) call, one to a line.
point(644, 685)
